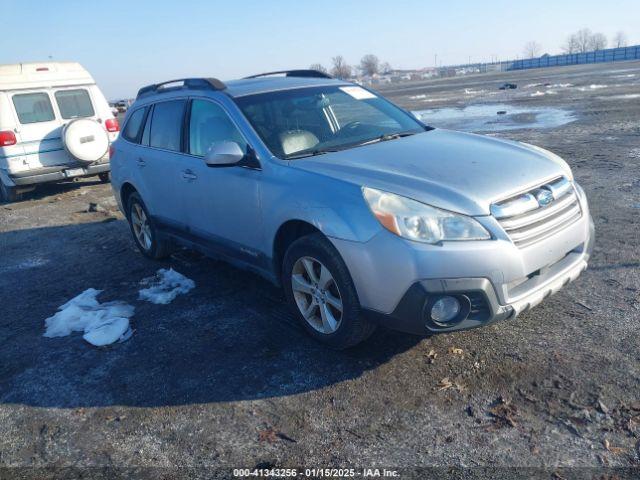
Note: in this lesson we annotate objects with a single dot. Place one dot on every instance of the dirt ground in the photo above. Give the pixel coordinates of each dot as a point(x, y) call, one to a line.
point(223, 378)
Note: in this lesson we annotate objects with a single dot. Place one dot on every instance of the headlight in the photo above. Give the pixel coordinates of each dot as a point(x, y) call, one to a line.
point(416, 221)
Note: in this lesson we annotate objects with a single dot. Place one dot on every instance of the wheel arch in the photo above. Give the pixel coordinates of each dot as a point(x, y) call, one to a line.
point(126, 190)
point(287, 233)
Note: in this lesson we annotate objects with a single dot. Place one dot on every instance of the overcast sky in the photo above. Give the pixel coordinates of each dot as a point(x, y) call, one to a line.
point(126, 44)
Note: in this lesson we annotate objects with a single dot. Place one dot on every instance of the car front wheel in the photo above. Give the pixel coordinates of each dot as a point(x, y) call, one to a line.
point(321, 292)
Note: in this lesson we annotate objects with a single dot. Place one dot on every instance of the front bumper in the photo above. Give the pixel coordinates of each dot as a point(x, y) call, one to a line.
point(396, 279)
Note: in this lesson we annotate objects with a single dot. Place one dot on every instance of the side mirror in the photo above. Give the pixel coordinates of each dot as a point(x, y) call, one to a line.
point(223, 154)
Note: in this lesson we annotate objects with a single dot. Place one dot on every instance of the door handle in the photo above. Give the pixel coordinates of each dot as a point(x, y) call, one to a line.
point(141, 162)
point(189, 175)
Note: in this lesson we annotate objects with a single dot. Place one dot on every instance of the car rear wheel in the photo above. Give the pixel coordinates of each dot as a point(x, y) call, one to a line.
point(8, 194)
point(320, 291)
point(104, 177)
point(144, 230)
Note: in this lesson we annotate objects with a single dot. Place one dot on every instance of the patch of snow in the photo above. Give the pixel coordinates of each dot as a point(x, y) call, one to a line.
point(592, 87)
point(25, 265)
point(418, 97)
point(531, 85)
point(165, 286)
point(630, 75)
point(538, 93)
point(560, 85)
point(627, 96)
point(102, 323)
point(634, 153)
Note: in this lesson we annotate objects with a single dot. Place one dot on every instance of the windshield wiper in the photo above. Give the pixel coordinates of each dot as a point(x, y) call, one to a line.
point(380, 138)
point(385, 137)
point(312, 153)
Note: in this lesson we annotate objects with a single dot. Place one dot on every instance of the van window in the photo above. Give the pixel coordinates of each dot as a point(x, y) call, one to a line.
point(132, 128)
point(166, 125)
point(74, 103)
point(33, 107)
point(209, 124)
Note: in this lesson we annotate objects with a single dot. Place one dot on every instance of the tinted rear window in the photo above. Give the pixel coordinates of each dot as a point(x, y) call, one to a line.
point(74, 103)
point(33, 107)
point(166, 125)
point(132, 128)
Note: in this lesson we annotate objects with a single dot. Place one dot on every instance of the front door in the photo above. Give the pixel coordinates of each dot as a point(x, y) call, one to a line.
point(223, 203)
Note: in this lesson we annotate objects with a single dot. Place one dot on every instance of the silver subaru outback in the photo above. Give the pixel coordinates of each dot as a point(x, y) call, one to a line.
point(363, 214)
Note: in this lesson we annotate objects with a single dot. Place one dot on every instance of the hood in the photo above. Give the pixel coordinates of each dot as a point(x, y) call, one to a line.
point(456, 171)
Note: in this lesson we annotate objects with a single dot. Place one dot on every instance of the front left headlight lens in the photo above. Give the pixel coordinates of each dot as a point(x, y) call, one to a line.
point(417, 221)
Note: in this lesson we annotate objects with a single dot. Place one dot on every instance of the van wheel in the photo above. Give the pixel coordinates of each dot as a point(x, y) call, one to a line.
point(8, 194)
point(104, 177)
point(320, 290)
point(144, 231)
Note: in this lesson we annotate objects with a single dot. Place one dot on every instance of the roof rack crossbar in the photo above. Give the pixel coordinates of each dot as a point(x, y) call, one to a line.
point(294, 73)
point(187, 83)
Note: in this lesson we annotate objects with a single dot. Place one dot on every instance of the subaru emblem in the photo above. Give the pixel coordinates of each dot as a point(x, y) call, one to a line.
point(543, 196)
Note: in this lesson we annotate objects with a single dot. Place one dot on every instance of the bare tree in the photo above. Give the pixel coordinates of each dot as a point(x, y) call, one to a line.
point(532, 49)
point(385, 68)
point(571, 44)
point(598, 41)
point(369, 65)
point(340, 68)
point(318, 67)
point(583, 40)
point(620, 40)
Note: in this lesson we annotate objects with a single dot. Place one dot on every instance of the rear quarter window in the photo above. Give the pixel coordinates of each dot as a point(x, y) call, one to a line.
point(33, 107)
point(74, 103)
point(132, 129)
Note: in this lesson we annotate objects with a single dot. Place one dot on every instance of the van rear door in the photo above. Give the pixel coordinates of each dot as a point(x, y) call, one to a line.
point(38, 129)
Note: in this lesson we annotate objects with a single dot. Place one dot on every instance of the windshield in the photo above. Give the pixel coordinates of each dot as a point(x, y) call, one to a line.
point(310, 121)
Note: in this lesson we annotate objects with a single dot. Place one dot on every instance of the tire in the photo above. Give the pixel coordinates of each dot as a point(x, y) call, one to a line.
point(8, 194)
point(105, 177)
point(349, 327)
point(149, 242)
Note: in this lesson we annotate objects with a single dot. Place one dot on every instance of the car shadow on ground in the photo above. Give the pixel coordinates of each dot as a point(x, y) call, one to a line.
point(232, 338)
point(54, 189)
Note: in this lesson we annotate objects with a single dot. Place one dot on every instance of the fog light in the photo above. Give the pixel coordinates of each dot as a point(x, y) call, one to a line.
point(445, 309)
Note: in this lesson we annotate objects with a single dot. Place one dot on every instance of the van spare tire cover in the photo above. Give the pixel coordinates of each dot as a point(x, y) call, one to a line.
point(85, 140)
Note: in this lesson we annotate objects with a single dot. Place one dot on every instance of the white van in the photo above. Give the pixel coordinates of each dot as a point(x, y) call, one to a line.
point(55, 124)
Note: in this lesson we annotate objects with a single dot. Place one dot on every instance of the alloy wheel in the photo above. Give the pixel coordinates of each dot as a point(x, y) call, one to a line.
point(141, 227)
point(317, 295)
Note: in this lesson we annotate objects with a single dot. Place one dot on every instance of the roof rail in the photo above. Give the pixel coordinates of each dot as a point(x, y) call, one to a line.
point(187, 83)
point(294, 73)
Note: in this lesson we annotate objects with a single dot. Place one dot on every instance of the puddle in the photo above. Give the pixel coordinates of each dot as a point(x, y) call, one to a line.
point(484, 118)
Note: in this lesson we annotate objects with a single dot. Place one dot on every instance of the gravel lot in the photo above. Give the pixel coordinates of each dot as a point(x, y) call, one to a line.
point(223, 377)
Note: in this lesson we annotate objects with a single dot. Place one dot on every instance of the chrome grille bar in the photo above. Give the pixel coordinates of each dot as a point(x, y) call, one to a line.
point(526, 224)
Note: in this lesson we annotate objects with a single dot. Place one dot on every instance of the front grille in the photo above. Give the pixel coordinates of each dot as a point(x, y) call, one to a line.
point(529, 217)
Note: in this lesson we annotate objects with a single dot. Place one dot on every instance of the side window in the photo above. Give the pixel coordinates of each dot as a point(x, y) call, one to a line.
point(166, 125)
point(132, 128)
point(33, 107)
point(209, 124)
point(74, 103)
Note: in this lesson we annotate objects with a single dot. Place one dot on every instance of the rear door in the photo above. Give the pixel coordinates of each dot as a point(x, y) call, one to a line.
point(38, 129)
point(160, 165)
